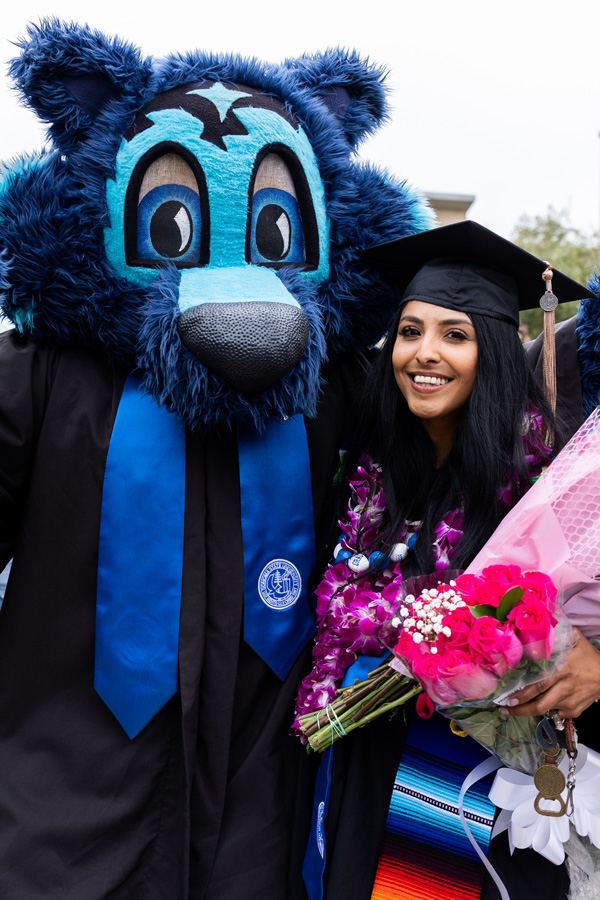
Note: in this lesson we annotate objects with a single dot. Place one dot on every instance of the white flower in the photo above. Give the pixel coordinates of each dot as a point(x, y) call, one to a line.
point(434, 649)
point(417, 637)
point(396, 622)
point(409, 623)
point(447, 631)
point(403, 610)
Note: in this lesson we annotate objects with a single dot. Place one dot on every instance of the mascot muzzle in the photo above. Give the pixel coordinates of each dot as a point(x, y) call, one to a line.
point(253, 339)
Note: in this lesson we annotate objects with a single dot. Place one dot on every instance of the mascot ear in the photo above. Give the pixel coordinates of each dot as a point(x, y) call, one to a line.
point(351, 88)
point(70, 75)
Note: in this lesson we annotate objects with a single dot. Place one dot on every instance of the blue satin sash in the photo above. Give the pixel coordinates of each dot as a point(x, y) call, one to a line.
point(140, 561)
point(278, 540)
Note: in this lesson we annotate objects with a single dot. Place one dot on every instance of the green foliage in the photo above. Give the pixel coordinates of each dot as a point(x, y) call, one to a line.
point(483, 609)
point(510, 599)
point(551, 238)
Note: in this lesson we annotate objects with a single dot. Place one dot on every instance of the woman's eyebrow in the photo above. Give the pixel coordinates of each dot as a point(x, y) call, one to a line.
point(418, 321)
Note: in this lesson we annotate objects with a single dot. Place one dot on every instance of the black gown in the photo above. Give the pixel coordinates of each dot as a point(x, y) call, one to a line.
point(212, 799)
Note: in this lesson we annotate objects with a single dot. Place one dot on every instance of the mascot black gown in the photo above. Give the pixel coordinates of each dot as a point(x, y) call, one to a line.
point(181, 267)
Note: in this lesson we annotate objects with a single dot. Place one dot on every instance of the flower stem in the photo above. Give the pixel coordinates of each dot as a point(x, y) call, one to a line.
point(390, 685)
point(357, 705)
point(346, 699)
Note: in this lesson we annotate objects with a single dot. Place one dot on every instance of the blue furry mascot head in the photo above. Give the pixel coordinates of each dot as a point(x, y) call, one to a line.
point(200, 218)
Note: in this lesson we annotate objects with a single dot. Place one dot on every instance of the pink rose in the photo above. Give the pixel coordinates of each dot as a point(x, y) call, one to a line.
point(534, 626)
point(406, 648)
point(425, 664)
point(538, 586)
point(488, 592)
point(497, 644)
point(465, 674)
point(460, 621)
point(425, 668)
point(503, 575)
point(465, 584)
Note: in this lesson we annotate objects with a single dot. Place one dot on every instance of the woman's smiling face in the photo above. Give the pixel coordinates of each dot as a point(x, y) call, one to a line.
point(435, 364)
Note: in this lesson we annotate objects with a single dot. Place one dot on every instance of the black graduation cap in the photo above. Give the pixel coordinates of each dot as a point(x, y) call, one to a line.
point(469, 268)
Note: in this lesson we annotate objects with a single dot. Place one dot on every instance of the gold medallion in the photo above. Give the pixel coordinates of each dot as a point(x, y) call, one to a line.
point(550, 781)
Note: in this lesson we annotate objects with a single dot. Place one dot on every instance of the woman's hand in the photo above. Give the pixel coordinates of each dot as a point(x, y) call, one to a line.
point(571, 691)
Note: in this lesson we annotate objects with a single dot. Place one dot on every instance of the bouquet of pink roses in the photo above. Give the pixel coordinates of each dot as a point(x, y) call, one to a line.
point(474, 641)
point(462, 646)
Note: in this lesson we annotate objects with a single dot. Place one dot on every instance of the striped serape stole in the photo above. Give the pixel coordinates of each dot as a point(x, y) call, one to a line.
point(426, 854)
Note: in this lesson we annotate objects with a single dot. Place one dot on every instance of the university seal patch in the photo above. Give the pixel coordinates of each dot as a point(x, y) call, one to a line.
point(279, 584)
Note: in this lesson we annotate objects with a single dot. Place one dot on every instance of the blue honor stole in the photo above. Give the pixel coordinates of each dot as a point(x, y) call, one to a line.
point(140, 561)
point(278, 540)
point(140, 554)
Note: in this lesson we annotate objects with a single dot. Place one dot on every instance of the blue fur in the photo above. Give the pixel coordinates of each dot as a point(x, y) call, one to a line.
point(319, 73)
point(61, 289)
point(54, 49)
point(588, 346)
point(56, 281)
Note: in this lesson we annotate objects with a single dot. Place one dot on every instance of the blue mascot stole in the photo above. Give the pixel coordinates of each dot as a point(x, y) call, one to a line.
point(140, 556)
point(277, 512)
point(140, 560)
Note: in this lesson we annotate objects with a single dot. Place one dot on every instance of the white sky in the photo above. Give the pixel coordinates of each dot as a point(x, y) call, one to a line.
point(495, 98)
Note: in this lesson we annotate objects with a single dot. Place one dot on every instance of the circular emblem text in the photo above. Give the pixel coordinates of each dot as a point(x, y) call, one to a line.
point(279, 584)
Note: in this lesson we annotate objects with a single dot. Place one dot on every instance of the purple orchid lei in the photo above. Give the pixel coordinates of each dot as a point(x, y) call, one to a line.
point(352, 609)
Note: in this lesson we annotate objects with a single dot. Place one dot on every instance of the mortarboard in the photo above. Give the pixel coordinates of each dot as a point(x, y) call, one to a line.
point(470, 268)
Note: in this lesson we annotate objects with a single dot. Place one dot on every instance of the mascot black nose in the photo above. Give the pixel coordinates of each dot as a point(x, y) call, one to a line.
point(251, 345)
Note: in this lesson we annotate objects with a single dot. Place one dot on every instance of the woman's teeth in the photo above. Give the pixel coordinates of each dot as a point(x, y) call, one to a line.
point(429, 379)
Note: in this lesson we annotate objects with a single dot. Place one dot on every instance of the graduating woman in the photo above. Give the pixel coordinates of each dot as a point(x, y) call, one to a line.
point(450, 433)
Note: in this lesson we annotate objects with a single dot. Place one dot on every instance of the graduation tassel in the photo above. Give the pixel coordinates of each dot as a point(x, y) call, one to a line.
point(549, 302)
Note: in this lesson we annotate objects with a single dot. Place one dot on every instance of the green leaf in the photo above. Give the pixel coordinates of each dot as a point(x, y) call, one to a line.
point(483, 609)
point(510, 599)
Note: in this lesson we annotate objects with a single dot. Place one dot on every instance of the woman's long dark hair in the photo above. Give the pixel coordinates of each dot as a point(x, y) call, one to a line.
point(488, 447)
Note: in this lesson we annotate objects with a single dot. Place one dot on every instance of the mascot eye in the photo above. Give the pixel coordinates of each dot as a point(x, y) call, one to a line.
point(276, 228)
point(166, 210)
point(280, 207)
point(169, 224)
